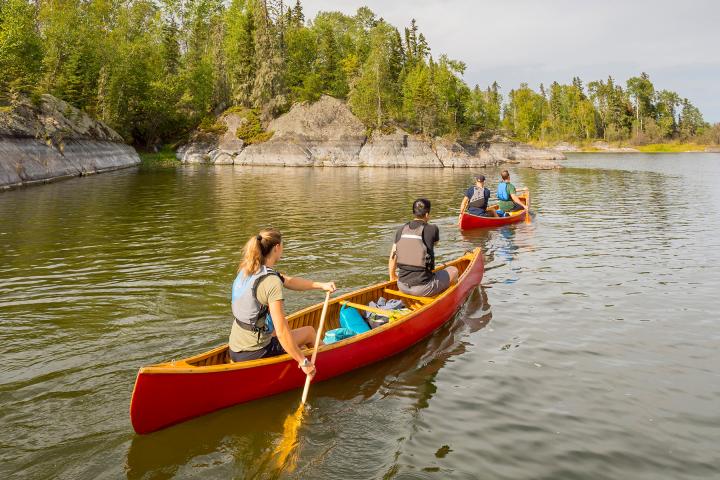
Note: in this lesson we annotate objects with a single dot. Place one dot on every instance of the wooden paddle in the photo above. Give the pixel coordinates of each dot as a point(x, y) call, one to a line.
point(527, 205)
point(285, 452)
point(308, 379)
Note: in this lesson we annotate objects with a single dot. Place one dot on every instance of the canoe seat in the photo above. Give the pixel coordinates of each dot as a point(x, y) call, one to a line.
point(398, 293)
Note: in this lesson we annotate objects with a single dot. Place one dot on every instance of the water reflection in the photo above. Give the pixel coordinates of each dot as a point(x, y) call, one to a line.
point(603, 325)
point(248, 433)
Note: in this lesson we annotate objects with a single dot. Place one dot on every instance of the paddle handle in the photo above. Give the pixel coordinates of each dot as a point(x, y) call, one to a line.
point(527, 206)
point(315, 350)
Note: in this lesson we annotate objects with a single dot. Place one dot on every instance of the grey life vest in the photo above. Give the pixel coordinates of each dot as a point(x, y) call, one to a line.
point(478, 199)
point(249, 313)
point(411, 249)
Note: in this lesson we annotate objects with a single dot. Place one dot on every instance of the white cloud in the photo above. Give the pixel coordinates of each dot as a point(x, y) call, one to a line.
point(536, 41)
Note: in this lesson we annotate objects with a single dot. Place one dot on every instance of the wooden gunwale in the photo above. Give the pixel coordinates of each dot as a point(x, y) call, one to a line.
point(469, 221)
point(185, 366)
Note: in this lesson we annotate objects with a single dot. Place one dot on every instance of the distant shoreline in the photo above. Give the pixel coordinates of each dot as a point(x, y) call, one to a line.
point(617, 147)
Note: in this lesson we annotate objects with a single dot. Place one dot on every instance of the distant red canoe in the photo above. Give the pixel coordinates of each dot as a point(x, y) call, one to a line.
point(469, 221)
point(172, 392)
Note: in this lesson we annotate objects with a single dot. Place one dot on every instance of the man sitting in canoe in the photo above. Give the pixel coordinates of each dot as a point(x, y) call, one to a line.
point(260, 328)
point(413, 256)
point(508, 201)
point(475, 201)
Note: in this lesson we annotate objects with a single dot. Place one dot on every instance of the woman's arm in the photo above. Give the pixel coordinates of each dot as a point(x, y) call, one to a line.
point(392, 263)
point(302, 284)
point(282, 330)
point(518, 200)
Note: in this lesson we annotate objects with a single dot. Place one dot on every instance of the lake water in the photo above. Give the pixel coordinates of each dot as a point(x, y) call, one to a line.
point(589, 351)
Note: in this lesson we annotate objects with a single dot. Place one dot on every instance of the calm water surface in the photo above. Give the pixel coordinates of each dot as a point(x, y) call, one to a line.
point(590, 350)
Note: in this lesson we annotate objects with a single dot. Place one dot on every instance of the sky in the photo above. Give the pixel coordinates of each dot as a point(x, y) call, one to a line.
point(540, 41)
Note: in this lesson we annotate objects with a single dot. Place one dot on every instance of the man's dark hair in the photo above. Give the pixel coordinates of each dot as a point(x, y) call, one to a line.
point(505, 174)
point(421, 206)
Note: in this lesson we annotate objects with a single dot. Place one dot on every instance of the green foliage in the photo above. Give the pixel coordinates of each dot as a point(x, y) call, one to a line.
point(303, 81)
point(155, 69)
point(524, 113)
point(483, 108)
point(374, 97)
point(239, 49)
point(251, 131)
point(639, 114)
point(642, 91)
point(20, 49)
point(211, 125)
point(670, 148)
point(691, 120)
point(419, 100)
point(710, 135)
point(162, 158)
point(613, 109)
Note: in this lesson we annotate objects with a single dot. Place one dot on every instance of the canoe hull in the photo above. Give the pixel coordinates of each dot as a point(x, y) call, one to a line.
point(469, 222)
point(163, 397)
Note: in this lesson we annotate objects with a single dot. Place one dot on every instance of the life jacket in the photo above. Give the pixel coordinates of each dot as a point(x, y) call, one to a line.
point(478, 199)
point(502, 192)
point(249, 313)
point(411, 249)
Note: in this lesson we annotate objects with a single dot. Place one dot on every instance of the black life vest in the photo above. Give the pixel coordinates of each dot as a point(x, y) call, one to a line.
point(411, 249)
point(479, 198)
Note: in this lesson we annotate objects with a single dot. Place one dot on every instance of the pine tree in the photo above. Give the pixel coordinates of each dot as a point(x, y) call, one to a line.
point(642, 91)
point(691, 120)
point(297, 15)
point(20, 48)
point(267, 86)
point(171, 48)
point(239, 47)
point(374, 96)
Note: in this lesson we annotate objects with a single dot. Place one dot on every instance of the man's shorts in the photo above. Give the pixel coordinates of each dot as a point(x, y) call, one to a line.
point(439, 283)
point(478, 212)
point(272, 349)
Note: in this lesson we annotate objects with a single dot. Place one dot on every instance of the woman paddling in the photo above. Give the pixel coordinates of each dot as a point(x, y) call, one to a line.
point(260, 328)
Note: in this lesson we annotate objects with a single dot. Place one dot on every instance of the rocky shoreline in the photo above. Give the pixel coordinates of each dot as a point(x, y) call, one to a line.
point(327, 134)
point(52, 140)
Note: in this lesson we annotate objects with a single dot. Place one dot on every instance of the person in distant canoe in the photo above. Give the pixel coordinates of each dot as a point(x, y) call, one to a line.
point(475, 201)
point(260, 328)
point(508, 201)
point(412, 257)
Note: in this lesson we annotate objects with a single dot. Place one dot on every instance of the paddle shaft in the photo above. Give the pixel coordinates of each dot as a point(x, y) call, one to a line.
point(315, 350)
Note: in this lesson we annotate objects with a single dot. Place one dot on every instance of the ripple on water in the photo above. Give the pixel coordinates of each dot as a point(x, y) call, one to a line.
point(591, 352)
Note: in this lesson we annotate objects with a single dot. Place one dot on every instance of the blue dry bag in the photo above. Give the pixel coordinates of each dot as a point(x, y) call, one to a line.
point(269, 324)
point(332, 336)
point(350, 318)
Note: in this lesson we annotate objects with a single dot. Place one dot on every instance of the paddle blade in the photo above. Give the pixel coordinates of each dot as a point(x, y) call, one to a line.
point(286, 452)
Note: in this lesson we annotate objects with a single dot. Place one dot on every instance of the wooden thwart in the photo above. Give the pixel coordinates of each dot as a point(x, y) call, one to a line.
point(379, 311)
point(398, 293)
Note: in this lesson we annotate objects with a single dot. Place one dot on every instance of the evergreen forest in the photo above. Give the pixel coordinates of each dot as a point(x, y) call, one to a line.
point(155, 69)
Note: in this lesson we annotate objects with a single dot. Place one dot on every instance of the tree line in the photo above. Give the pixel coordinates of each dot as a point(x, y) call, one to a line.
point(154, 69)
point(604, 110)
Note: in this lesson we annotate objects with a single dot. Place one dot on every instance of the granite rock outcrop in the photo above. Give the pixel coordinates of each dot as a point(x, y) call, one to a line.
point(49, 140)
point(326, 133)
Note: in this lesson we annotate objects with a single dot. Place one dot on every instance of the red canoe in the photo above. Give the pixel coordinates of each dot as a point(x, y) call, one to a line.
point(172, 392)
point(469, 221)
